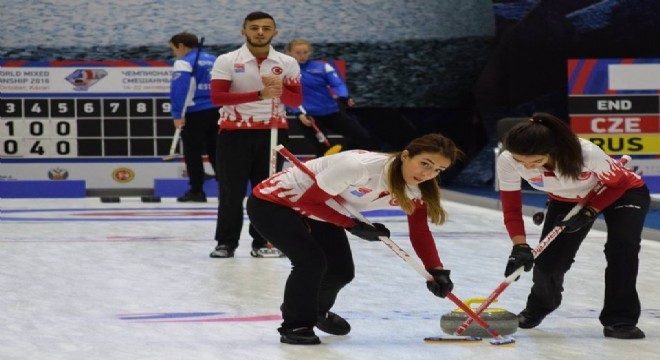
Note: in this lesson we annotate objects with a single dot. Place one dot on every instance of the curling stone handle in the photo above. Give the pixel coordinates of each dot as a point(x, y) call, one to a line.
point(476, 300)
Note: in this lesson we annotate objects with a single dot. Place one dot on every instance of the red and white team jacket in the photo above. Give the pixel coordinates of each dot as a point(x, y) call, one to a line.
point(359, 177)
point(235, 80)
point(598, 166)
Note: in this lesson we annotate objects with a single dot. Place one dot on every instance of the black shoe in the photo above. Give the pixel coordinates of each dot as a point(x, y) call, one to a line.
point(190, 196)
point(527, 320)
point(626, 332)
point(333, 324)
point(266, 252)
point(222, 251)
point(299, 336)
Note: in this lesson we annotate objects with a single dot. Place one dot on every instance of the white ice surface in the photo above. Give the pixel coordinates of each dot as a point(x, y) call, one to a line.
point(84, 280)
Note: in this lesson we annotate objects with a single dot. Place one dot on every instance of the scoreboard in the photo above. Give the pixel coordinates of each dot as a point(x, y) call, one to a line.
point(107, 122)
point(88, 109)
point(615, 103)
point(47, 127)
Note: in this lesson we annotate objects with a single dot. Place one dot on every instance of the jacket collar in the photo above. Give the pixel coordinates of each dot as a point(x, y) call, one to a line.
point(245, 55)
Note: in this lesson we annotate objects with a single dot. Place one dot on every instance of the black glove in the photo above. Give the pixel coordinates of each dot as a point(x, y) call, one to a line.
point(442, 283)
point(369, 232)
point(521, 255)
point(584, 217)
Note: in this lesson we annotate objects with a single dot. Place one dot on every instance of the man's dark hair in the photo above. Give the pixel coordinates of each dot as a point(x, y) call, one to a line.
point(187, 39)
point(257, 15)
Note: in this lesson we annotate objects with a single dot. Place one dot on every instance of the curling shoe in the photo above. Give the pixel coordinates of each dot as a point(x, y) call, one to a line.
point(333, 324)
point(623, 331)
point(299, 336)
point(222, 251)
point(526, 320)
point(266, 252)
point(190, 196)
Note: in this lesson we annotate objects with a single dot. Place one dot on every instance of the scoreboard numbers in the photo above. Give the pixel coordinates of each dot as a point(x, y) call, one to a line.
point(31, 128)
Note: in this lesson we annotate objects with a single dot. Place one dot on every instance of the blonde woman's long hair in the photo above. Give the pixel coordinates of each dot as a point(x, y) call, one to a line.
point(434, 144)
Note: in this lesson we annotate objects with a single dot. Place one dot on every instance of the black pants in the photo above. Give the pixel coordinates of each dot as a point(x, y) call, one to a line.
point(625, 221)
point(199, 136)
point(242, 156)
point(321, 259)
point(356, 135)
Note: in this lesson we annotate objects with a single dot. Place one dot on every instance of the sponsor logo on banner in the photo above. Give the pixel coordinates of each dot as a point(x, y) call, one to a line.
point(58, 174)
point(83, 79)
point(123, 175)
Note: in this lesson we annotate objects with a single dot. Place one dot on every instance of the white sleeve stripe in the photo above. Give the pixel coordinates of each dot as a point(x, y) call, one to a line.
point(181, 65)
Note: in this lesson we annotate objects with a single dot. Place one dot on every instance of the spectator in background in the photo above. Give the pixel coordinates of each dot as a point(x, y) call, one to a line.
point(192, 109)
point(252, 84)
point(317, 78)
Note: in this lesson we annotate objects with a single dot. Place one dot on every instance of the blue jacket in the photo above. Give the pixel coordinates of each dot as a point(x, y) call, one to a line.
point(317, 78)
point(183, 85)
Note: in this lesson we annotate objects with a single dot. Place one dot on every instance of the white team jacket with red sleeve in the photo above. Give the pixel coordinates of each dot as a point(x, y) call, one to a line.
point(242, 69)
point(597, 166)
point(360, 178)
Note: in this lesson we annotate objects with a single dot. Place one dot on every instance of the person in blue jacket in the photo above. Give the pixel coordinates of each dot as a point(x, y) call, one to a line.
point(192, 109)
point(319, 104)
